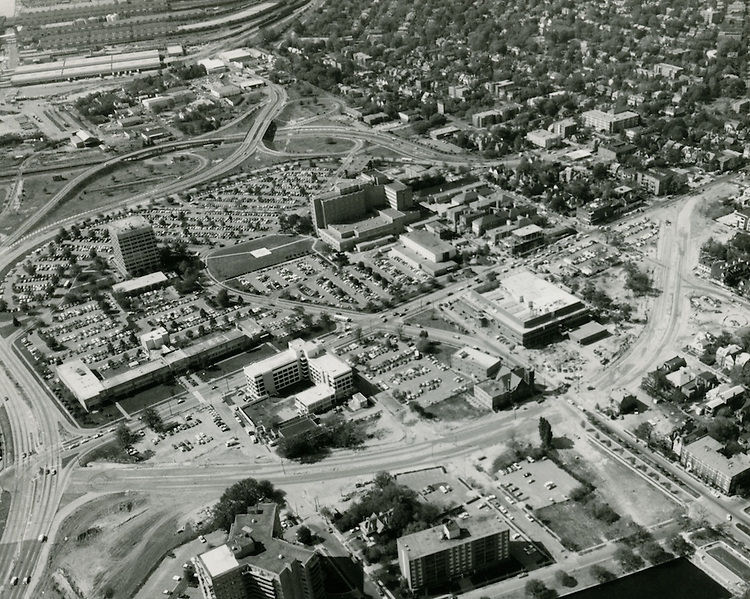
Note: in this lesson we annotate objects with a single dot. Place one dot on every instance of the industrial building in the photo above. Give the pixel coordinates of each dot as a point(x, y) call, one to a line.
point(256, 563)
point(80, 67)
point(528, 309)
point(451, 551)
point(91, 389)
point(134, 245)
point(302, 361)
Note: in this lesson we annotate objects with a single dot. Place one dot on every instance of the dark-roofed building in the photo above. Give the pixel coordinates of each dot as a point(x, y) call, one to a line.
point(255, 563)
point(507, 387)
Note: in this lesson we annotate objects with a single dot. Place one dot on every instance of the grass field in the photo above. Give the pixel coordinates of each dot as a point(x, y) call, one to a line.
point(455, 408)
point(432, 318)
point(576, 529)
point(730, 561)
point(7, 438)
point(297, 144)
point(37, 191)
point(233, 261)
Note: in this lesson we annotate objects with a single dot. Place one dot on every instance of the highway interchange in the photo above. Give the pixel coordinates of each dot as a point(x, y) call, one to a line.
point(39, 429)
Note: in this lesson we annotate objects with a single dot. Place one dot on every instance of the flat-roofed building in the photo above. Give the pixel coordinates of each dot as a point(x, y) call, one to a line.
point(147, 282)
point(302, 361)
point(524, 239)
point(425, 251)
point(542, 138)
point(256, 563)
point(528, 309)
point(134, 245)
point(92, 389)
point(316, 399)
point(155, 339)
point(704, 459)
point(610, 122)
point(476, 363)
point(450, 551)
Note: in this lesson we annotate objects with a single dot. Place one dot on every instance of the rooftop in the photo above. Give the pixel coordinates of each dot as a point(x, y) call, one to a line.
point(79, 378)
point(706, 449)
point(153, 278)
point(432, 540)
point(288, 356)
point(331, 364)
point(130, 223)
point(429, 241)
point(315, 394)
point(532, 293)
point(482, 358)
point(219, 560)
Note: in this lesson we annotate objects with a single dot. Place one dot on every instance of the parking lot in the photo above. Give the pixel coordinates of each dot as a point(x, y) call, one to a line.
point(538, 484)
point(397, 366)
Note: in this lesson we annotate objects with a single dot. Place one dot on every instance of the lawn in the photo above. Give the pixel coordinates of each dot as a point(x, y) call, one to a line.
point(575, 527)
point(37, 191)
point(455, 408)
point(8, 453)
point(4, 509)
point(150, 396)
point(432, 318)
point(298, 144)
point(236, 362)
point(730, 561)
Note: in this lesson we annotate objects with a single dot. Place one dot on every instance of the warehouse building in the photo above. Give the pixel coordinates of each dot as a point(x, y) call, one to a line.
point(81, 67)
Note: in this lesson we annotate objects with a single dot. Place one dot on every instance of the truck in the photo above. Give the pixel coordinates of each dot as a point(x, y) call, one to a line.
point(342, 318)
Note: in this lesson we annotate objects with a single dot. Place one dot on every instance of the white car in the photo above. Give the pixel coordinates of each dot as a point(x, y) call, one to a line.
point(202, 539)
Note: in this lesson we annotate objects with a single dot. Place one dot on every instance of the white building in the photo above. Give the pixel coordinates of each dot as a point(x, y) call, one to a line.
point(302, 361)
point(134, 245)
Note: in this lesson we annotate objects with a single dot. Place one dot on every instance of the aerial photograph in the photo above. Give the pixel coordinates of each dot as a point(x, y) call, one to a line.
point(363, 299)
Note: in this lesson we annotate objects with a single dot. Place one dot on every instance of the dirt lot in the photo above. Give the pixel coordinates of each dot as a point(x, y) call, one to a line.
point(112, 542)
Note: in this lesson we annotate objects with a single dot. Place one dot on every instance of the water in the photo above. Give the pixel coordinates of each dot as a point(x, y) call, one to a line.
point(678, 579)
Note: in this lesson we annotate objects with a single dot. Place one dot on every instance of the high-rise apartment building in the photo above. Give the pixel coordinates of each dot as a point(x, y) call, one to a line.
point(430, 558)
point(134, 246)
point(255, 563)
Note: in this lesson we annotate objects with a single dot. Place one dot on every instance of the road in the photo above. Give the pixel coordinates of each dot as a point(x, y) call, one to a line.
point(37, 429)
point(36, 426)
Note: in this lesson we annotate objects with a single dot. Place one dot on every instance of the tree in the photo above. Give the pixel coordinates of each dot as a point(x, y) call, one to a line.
point(601, 574)
point(3, 305)
point(545, 433)
point(222, 298)
point(629, 404)
point(241, 496)
point(423, 345)
point(124, 435)
point(678, 545)
point(565, 579)
point(16, 322)
point(654, 553)
point(153, 420)
point(536, 589)
point(304, 535)
point(628, 560)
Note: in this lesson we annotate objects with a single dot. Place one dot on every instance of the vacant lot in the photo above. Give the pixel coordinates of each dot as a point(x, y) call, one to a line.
point(112, 544)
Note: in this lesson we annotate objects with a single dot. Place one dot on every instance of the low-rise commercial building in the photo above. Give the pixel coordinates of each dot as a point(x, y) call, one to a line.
point(528, 309)
point(542, 138)
point(91, 389)
point(451, 551)
point(476, 363)
point(507, 387)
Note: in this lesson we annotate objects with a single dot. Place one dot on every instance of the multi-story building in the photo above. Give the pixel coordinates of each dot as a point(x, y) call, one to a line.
point(134, 245)
point(528, 309)
point(476, 363)
point(542, 138)
point(451, 551)
point(610, 122)
point(704, 460)
point(362, 212)
point(302, 361)
point(507, 387)
point(657, 181)
point(255, 563)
